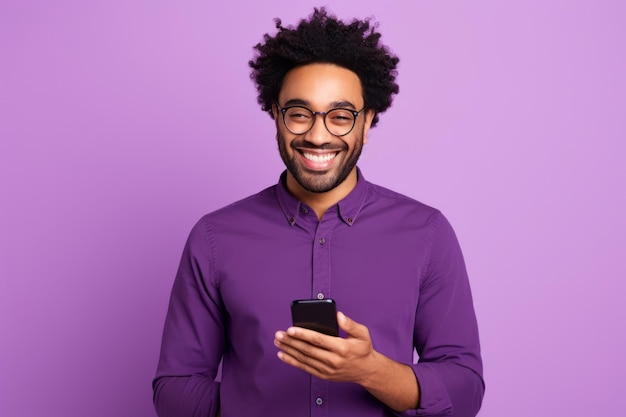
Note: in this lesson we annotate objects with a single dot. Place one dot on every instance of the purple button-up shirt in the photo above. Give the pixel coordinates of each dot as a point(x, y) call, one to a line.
point(390, 262)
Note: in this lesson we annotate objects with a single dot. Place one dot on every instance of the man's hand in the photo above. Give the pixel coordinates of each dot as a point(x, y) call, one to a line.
point(328, 357)
point(350, 359)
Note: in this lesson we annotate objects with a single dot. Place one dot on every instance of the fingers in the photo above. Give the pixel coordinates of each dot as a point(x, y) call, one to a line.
point(304, 340)
point(310, 368)
point(311, 357)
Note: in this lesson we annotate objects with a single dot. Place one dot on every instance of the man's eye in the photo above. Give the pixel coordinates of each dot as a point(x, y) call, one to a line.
point(299, 115)
point(341, 116)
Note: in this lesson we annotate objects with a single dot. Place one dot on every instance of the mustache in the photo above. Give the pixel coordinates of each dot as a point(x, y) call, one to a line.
point(303, 144)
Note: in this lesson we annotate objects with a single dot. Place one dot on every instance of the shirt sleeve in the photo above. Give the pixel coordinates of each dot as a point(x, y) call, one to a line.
point(193, 337)
point(449, 370)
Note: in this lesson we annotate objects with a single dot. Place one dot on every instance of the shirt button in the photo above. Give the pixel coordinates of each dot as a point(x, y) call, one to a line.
point(349, 219)
point(319, 401)
point(320, 296)
point(305, 211)
point(322, 241)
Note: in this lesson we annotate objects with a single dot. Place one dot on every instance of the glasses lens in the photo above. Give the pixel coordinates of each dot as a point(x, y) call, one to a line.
point(339, 121)
point(298, 119)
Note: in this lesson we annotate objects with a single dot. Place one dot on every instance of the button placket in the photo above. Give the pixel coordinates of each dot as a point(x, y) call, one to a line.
point(320, 289)
point(319, 397)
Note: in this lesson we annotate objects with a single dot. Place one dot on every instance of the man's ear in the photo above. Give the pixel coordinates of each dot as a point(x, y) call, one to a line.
point(369, 117)
point(274, 115)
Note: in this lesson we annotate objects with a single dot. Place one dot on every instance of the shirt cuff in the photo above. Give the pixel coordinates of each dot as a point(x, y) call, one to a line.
point(434, 398)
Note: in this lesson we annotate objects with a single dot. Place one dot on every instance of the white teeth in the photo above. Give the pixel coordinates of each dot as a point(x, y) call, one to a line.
point(319, 158)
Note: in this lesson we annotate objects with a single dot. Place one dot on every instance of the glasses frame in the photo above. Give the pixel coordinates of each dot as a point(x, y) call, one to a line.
point(355, 113)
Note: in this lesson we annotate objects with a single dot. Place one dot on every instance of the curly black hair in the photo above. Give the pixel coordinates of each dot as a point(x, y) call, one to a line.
point(325, 39)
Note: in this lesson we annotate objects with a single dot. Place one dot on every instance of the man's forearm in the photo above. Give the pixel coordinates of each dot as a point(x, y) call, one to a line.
point(392, 383)
point(188, 396)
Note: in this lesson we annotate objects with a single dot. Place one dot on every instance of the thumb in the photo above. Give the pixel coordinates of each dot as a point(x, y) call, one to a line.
point(351, 327)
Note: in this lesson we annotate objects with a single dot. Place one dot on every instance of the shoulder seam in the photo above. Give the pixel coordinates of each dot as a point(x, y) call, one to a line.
point(209, 236)
point(433, 222)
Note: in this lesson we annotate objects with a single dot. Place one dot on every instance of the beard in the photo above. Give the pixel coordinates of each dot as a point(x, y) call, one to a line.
point(322, 181)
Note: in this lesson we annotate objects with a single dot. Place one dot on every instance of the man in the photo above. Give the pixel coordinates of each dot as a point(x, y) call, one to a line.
point(392, 264)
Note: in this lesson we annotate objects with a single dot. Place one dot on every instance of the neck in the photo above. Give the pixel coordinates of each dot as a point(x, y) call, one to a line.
point(320, 202)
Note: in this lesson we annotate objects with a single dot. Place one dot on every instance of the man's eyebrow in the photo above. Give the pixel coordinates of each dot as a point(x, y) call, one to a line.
point(342, 104)
point(296, 102)
point(333, 105)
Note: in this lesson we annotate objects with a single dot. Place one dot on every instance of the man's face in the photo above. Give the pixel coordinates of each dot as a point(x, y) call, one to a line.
point(318, 160)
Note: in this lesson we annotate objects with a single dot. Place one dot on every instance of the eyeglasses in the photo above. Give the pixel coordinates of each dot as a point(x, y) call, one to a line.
point(299, 120)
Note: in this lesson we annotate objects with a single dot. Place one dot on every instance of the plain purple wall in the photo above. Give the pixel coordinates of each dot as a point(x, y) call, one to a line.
point(122, 122)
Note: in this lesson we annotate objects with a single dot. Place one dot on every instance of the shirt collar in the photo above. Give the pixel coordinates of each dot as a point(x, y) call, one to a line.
point(348, 209)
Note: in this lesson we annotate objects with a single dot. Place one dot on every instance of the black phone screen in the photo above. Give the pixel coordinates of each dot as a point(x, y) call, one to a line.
point(318, 315)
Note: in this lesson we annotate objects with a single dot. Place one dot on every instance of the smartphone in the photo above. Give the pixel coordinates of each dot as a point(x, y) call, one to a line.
point(318, 315)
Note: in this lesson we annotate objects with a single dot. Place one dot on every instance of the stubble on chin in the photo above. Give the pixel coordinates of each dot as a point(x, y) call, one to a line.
point(318, 182)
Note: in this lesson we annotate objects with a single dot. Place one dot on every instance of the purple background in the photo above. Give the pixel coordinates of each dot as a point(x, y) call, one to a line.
point(122, 122)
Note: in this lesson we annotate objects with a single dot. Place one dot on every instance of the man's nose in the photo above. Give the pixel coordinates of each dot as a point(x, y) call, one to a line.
point(318, 134)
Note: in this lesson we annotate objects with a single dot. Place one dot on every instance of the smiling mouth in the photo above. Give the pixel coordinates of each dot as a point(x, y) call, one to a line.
point(319, 158)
